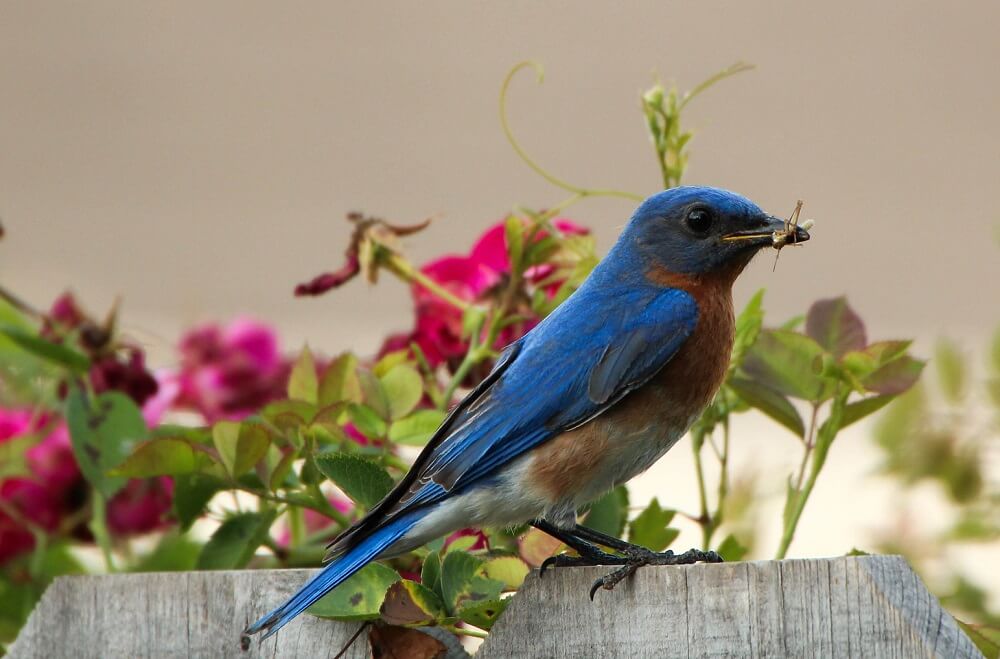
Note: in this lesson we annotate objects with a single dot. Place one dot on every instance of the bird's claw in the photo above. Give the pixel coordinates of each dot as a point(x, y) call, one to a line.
point(640, 557)
point(584, 560)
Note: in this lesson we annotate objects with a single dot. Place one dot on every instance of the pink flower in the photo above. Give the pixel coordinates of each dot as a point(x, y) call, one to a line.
point(438, 330)
point(140, 507)
point(228, 372)
point(124, 372)
point(51, 490)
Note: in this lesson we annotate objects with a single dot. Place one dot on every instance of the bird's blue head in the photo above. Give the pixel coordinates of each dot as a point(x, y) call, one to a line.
point(699, 230)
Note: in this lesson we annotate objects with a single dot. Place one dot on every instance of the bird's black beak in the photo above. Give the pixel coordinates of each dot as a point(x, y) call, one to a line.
point(770, 232)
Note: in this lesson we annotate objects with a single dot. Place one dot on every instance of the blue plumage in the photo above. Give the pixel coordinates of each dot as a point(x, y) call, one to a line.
point(614, 334)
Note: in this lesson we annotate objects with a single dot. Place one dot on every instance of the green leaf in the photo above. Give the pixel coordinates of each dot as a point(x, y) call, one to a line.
point(861, 408)
point(789, 363)
point(748, 326)
point(416, 429)
point(363, 480)
point(104, 430)
point(950, 369)
point(985, 637)
point(835, 326)
point(289, 415)
point(609, 513)
point(462, 581)
point(857, 552)
point(731, 550)
point(169, 456)
point(483, 614)
point(791, 502)
point(651, 528)
point(374, 394)
point(358, 598)
point(410, 603)
point(430, 573)
point(770, 402)
point(895, 377)
point(56, 353)
point(240, 445)
point(173, 553)
point(508, 570)
point(390, 361)
point(302, 383)
point(340, 381)
point(234, 543)
point(191, 496)
point(403, 388)
point(366, 420)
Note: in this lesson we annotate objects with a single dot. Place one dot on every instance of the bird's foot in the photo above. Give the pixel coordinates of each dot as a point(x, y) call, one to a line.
point(639, 556)
point(588, 558)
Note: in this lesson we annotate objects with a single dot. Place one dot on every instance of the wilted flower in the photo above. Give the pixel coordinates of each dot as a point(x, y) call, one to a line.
point(228, 372)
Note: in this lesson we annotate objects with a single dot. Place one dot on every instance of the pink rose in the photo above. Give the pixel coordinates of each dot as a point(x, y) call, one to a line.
point(229, 372)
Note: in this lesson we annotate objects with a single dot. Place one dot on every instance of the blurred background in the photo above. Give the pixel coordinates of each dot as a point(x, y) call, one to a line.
point(197, 160)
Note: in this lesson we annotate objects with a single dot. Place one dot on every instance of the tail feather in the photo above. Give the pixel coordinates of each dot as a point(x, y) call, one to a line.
point(333, 575)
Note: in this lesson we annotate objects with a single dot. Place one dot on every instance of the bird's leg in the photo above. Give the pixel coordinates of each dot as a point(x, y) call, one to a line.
point(636, 556)
point(589, 554)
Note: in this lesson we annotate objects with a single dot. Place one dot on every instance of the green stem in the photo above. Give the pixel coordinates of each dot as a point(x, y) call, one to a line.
point(802, 492)
point(705, 518)
point(461, 631)
point(528, 160)
point(99, 527)
point(296, 526)
point(738, 67)
point(404, 270)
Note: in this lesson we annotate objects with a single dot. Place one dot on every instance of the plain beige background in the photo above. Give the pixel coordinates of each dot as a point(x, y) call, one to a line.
point(198, 158)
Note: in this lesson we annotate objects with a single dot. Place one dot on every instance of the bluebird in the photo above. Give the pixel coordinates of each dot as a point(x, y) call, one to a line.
point(592, 396)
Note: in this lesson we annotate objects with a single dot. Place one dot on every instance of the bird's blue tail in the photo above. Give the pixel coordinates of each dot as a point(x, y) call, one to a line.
point(335, 574)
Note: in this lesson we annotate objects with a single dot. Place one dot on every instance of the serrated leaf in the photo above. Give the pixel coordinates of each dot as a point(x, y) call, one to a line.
point(835, 326)
point(770, 402)
point(251, 446)
point(358, 598)
point(403, 388)
point(462, 583)
point(609, 513)
point(104, 430)
point(168, 456)
point(233, 544)
point(788, 363)
point(416, 429)
point(302, 382)
point(55, 353)
point(340, 381)
point(483, 614)
point(410, 603)
point(650, 529)
point(363, 480)
point(367, 421)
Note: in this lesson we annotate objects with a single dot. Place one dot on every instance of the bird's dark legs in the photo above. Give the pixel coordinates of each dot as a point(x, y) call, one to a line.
point(583, 539)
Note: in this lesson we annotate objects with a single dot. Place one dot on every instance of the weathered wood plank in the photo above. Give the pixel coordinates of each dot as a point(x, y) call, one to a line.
point(872, 606)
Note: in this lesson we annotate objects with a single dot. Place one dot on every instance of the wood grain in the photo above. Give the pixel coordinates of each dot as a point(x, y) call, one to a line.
point(870, 606)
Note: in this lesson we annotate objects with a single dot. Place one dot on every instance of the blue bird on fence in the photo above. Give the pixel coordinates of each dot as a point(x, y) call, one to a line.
point(588, 399)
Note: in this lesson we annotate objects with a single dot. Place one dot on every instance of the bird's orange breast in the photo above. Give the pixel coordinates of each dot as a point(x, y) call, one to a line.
point(637, 430)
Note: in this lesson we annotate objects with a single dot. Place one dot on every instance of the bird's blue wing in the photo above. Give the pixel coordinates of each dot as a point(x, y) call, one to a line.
point(588, 354)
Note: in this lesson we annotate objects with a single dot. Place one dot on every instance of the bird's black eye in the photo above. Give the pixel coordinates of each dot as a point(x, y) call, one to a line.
point(699, 220)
